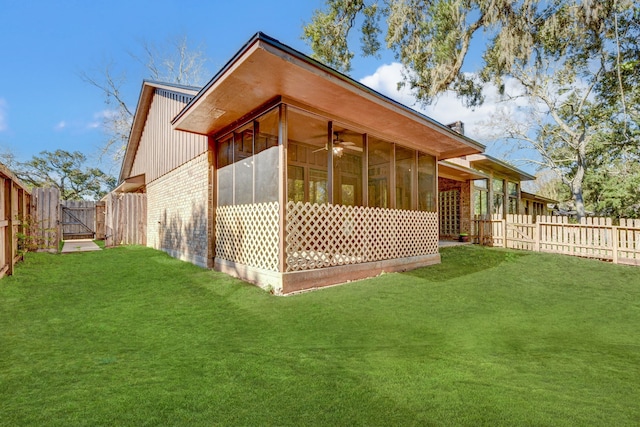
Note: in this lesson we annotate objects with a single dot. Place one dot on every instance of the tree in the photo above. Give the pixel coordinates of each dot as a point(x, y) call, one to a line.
point(177, 63)
point(7, 157)
point(67, 172)
point(560, 52)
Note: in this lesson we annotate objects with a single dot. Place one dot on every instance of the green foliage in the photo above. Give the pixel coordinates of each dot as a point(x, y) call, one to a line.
point(576, 62)
point(66, 171)
point(28, 240)
point(613, 189)
point(129, 336)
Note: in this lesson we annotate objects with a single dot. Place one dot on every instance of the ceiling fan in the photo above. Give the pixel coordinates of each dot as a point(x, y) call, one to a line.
point(339, 145)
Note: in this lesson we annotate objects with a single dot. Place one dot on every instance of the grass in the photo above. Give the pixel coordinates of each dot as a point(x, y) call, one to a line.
point(129, 336)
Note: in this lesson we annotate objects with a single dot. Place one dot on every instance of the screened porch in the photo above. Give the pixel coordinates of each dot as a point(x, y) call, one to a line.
point(298, 192)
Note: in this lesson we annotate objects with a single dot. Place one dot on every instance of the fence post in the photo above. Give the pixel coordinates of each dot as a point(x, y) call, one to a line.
point(536, 237)
point(9, 248)
point(614, 242)
point(504, 233)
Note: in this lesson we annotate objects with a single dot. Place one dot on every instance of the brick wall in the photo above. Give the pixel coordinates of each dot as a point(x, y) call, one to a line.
point(178, 212)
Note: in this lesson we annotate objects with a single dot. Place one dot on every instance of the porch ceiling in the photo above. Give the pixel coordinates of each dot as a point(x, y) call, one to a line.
point(458, 173)
point(265, 69)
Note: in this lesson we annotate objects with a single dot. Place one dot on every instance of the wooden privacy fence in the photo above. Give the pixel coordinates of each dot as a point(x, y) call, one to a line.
point(591, 238)
point(15, 209)
point(78, 219)
point(45, 229)
point(55, 219)
point(125, 219)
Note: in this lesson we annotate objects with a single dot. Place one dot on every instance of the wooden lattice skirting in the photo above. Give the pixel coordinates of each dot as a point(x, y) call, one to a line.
point(320, 236)
point(325, 244)
point(248, 235)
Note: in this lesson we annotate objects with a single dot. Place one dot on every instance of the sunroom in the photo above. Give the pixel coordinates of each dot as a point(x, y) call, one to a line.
point(316, 179)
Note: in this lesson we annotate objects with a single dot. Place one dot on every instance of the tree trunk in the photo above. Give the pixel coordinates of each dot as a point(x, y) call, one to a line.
point(576, 191)
point(576, 183)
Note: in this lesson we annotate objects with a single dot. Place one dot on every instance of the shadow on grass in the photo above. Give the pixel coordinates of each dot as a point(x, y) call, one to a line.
point(463, 260)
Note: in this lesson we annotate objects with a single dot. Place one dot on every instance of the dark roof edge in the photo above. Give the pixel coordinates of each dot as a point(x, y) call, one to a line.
point(507, 165)
point(260, 36)
point(172, 85)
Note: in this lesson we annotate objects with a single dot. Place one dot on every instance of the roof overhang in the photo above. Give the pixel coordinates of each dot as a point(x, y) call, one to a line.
point(130, 185)
point(265, 69)
point(486, 162)
point(537, 198)
point(458, 173)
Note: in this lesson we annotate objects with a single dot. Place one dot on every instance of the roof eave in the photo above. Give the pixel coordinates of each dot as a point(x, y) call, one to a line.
point(459, 144)
point(506, 168)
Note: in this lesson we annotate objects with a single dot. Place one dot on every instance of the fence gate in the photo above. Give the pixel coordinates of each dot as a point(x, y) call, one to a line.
point(78, 219)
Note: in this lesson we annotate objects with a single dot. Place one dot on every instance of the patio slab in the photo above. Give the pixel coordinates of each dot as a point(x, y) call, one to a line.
point(79, 245)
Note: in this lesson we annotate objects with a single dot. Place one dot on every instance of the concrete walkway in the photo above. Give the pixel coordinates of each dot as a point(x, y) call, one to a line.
point(80, 245)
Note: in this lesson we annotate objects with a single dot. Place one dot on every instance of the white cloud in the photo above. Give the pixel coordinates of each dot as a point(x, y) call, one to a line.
point(99, 118)
point(61, 125)
point(3, 115)
point(448, 108)
point(385, 80)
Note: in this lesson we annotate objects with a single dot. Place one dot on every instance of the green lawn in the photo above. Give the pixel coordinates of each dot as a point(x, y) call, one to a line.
point(129, 336)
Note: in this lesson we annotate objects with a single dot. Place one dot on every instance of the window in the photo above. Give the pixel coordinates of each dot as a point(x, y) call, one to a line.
point(512, 191)
point(318, 186)
point(426, 182)
point(243, 165)
point(307, 157)
point(347, 166)
point(378, 177)
point(265, 158)
point(295, 184)
point(225, 171)
point(247, 162)
point(480, 197)
point(405, 171)
point(498, 196)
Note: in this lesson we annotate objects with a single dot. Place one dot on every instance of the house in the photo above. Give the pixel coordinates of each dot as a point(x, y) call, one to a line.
point(285, 173)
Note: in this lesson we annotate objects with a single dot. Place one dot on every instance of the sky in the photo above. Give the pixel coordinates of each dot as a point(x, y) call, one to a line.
point(48, 44)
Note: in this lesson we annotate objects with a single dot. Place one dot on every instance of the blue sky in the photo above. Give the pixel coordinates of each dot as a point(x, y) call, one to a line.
point(45, 105)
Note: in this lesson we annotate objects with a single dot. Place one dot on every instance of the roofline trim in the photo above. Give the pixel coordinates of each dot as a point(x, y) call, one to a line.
point(262, 37)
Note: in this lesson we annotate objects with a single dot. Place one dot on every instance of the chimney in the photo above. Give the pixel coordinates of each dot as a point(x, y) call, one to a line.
point(457, 127)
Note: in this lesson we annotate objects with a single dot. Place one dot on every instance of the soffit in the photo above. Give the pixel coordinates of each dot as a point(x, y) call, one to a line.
point(130, 185)
point(484, 162)
point(264, 71)
point(458, 173)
